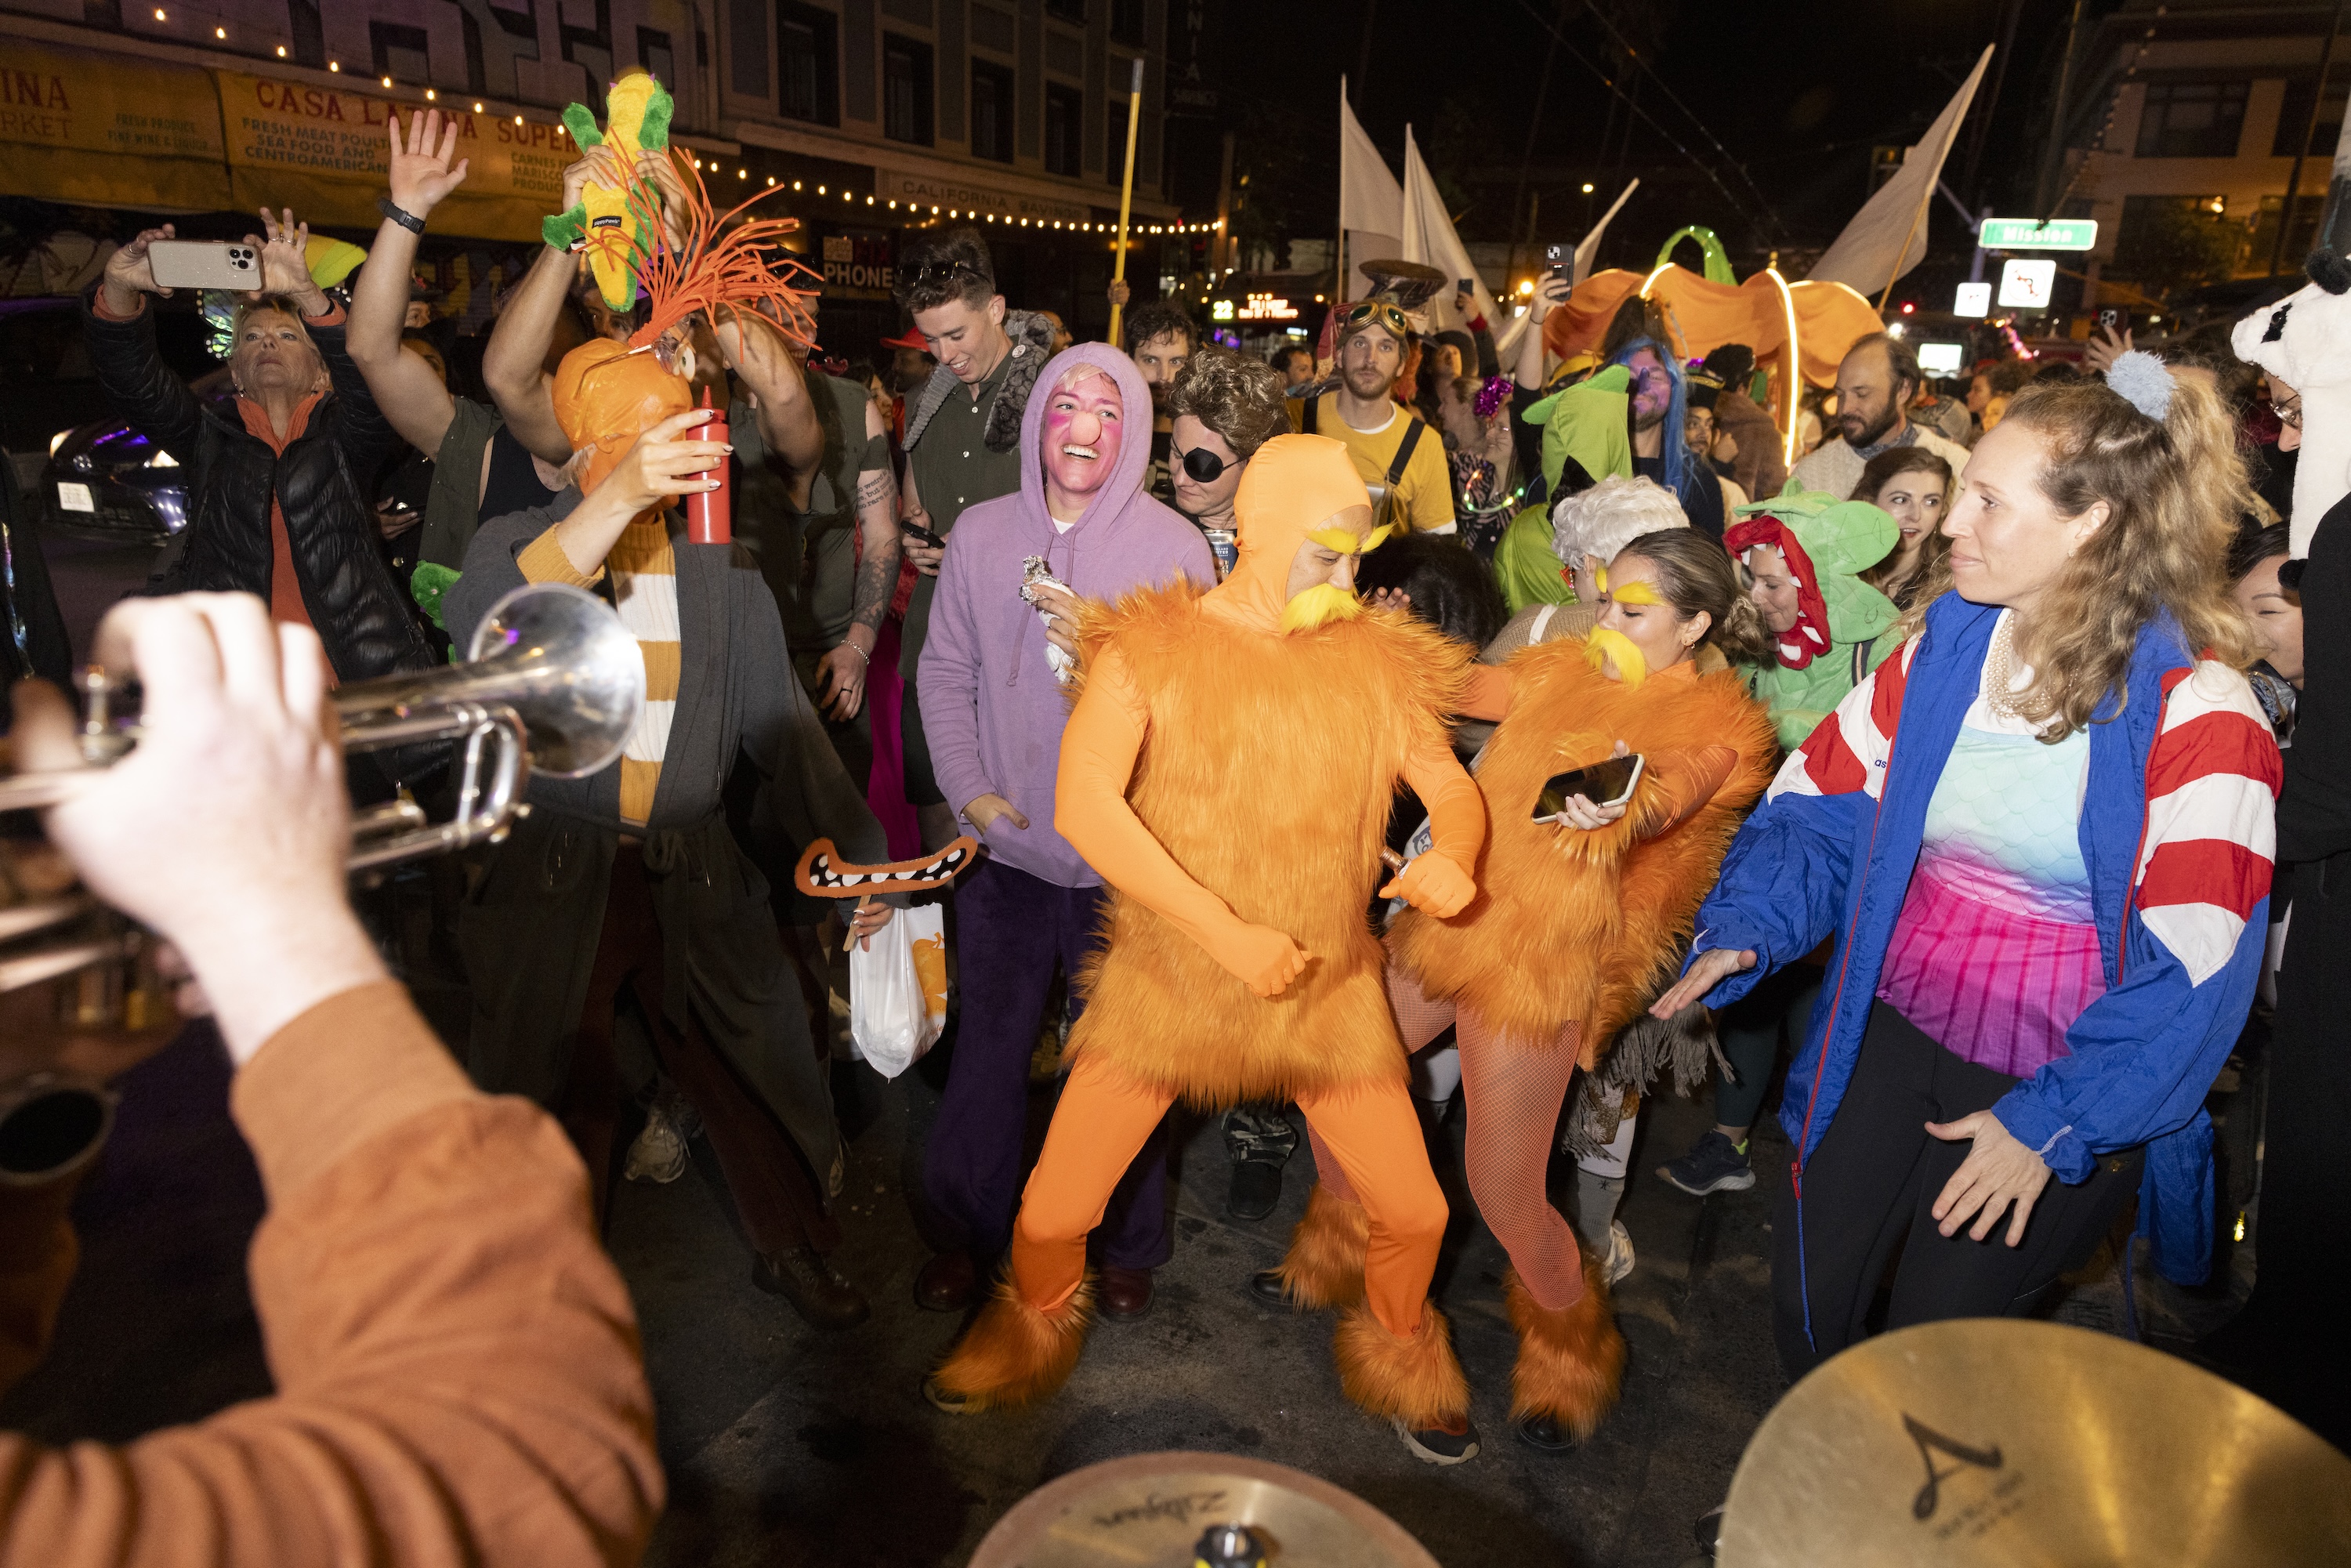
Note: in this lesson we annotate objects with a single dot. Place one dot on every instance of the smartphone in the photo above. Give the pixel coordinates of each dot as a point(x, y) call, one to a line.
point(205, 264)
point(917, 531)
point(1468, 285)
point(1563, 260)
point(2112, 320)
point(1608, 783)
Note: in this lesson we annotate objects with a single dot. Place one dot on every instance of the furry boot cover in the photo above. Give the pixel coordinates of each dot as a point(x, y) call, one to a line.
point(1417, 1379)
point(1324, 1265)
point(1013, 1352)
point(1570, 1360)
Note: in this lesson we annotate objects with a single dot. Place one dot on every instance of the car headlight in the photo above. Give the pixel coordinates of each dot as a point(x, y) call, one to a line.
point(58, 440)
point(163, 459)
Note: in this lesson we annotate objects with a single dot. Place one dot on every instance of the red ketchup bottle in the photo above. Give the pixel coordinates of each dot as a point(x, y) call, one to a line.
point(710, 514)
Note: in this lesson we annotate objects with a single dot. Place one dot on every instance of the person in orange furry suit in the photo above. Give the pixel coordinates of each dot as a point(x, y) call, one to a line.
point(1578, 920)
point(1228, 769)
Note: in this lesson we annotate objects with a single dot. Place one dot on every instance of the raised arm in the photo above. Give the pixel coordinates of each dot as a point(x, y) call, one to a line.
point(410, 393)
point(1549, 295)
point(514, 363)
point(1099, 751)
point(131, 370)
point(756, 351)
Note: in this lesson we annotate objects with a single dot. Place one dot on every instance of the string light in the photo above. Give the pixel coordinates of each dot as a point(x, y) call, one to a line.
point(478, 108)
point(281, 51)
point(517, 120)
point(334, 64)
point(387, 81)
point(772, 178)
point(431, 97)
point(159, 13)
point(220, 32)
point(795, 184)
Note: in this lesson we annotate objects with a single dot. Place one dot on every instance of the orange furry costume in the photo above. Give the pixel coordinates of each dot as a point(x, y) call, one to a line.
point(1570, 935)
point(1230, 780)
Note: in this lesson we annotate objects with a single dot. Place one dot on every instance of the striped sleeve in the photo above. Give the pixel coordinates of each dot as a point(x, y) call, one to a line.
point(1847, 752)
point(2212, 782)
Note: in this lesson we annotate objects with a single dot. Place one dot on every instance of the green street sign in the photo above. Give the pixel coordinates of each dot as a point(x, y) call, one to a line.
point(2024, 234)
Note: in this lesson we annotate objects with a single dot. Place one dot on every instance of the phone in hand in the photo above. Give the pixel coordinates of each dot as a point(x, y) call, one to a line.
point(2112, 320)
point(1468, 285)
point(1562, 261)
point(1609, 783)
point(916, 531)
point(205, 264)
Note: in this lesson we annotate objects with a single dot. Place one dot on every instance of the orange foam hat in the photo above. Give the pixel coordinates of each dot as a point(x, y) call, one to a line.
point(1295, 485)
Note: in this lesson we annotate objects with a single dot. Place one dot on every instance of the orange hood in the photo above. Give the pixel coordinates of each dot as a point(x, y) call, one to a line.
point(1295, 485)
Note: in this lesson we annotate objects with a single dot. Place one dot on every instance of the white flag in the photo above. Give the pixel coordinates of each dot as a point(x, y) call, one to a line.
point(1429, 238)
point(1371, 202)
point(1590, 246)
point(1888, 237)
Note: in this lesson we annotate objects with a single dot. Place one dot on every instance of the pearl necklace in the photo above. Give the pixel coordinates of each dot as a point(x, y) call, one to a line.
point(1999, 669)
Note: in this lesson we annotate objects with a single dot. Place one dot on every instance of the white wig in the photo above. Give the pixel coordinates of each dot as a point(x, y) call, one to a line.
point(1604, 519)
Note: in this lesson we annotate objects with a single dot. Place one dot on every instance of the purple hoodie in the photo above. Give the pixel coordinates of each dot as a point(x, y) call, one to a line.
point(992, 711)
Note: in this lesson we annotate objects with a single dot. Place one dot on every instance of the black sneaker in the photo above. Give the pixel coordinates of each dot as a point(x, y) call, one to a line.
point(1715, 1165)
point(1440, 1445)
point(1545, 1433)
point(1256, 1189)
point(1265, 1288)
point(820, 1296)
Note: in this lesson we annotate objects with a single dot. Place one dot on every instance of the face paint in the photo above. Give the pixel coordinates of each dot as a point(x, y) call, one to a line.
point(1345, 543)
point(1082, 435)
point(1320, 606)
point(1607, 646)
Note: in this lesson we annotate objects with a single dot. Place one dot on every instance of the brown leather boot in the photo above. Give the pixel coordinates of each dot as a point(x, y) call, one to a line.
point(946, 1283)
point(803, 1277)
point(1122, 1293)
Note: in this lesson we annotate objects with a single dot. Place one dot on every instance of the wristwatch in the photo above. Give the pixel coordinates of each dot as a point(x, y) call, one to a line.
point(399, 215)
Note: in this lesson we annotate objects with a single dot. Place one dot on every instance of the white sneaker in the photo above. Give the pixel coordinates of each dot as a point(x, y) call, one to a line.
point(659, 1152)
point(1620, 1252)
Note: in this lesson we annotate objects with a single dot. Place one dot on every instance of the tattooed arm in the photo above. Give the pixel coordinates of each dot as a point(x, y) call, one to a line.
point(843, 669)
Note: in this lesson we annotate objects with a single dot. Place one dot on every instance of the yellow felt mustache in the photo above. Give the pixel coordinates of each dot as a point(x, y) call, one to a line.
point(1319, 606)
point(1629, 593)
point(1345, 543)
point(1606, 644)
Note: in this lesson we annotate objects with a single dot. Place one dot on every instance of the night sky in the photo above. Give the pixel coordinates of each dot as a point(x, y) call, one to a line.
point(1798, 91)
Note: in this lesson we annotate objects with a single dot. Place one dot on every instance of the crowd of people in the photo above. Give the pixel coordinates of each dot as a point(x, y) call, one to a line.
point(1378, 725)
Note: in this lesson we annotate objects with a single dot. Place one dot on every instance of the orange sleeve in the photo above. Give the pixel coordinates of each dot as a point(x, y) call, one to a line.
point(1489, 696)
point(1099, 748)
point(543, 561)
point(1457, 811)
point(457, 1359)
point(1683, 781)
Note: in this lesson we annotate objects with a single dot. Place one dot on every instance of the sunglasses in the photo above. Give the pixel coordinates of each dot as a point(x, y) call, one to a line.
point(931, 273)
point(1203, 465)
point(1380, 311)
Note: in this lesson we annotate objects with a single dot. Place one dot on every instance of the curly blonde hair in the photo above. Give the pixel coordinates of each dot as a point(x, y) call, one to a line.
point(2174, 489)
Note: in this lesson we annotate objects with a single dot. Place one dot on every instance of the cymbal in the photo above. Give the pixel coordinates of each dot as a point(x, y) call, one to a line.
point(1149, 1511)
point(1999, 1440)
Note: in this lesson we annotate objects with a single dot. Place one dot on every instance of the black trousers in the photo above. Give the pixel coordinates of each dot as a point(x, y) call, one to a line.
point(1870, 1189)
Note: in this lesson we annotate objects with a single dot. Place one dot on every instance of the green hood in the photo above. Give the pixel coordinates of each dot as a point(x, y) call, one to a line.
point(1844, 540)
point(1586, 421)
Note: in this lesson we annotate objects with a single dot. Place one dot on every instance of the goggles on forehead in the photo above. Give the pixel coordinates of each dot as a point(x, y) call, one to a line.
point(1382, 312)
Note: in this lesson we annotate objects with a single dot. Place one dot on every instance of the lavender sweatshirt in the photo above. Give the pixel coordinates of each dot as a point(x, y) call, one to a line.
point(991, 710)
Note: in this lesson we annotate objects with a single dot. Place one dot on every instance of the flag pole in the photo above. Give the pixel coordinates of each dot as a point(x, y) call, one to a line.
point(1126, 191)
point(1339, 245)
point(1910, 234)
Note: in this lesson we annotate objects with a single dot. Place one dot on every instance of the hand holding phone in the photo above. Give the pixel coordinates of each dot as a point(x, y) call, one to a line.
point(1563, 260)
point(915, 531)
point(1602, 789)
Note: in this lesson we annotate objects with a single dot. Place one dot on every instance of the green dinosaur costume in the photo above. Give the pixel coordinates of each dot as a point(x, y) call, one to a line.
point(1834, 541)
point(637, 110)
point(1586, 421)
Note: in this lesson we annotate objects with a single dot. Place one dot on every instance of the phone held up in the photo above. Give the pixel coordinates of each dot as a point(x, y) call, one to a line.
point(1562, 261)
point(1609, 783)
point(205, 264)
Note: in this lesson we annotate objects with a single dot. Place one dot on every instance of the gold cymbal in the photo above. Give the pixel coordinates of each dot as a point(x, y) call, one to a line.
point(1149, 1511)
point(1999, 1440)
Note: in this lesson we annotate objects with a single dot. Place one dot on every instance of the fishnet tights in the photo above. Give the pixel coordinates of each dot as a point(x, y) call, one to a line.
point(1512, 1092)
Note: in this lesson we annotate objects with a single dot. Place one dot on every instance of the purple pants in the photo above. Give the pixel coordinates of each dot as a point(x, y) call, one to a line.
point(1011, 930)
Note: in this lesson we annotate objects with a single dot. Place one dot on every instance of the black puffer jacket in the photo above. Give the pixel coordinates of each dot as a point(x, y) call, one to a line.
point(353, 598)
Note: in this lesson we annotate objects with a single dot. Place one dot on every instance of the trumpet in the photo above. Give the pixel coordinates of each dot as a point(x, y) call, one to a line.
point(554, 684)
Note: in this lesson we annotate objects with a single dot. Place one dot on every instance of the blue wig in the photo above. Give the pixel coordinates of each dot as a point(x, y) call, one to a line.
point(1681, 474)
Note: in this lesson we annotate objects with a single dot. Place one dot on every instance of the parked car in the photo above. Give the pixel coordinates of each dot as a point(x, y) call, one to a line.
point(108, 483)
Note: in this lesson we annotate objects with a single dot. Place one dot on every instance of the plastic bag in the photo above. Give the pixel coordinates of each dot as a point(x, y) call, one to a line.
point(898, 990)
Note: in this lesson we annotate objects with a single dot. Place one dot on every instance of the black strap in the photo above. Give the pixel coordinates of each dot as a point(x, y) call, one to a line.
point(1306, 420)
point(1403, 449)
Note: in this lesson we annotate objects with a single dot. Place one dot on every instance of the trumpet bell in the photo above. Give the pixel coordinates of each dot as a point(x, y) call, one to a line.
point(583, 671)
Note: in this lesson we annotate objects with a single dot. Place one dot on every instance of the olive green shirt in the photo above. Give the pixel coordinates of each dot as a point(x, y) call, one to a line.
point(809, 558)
point(952, 469)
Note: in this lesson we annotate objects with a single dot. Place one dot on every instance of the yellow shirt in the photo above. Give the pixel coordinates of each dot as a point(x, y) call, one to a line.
point(1424, 496)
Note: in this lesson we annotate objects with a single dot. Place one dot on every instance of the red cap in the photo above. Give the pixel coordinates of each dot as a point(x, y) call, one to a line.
point(913, 340)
